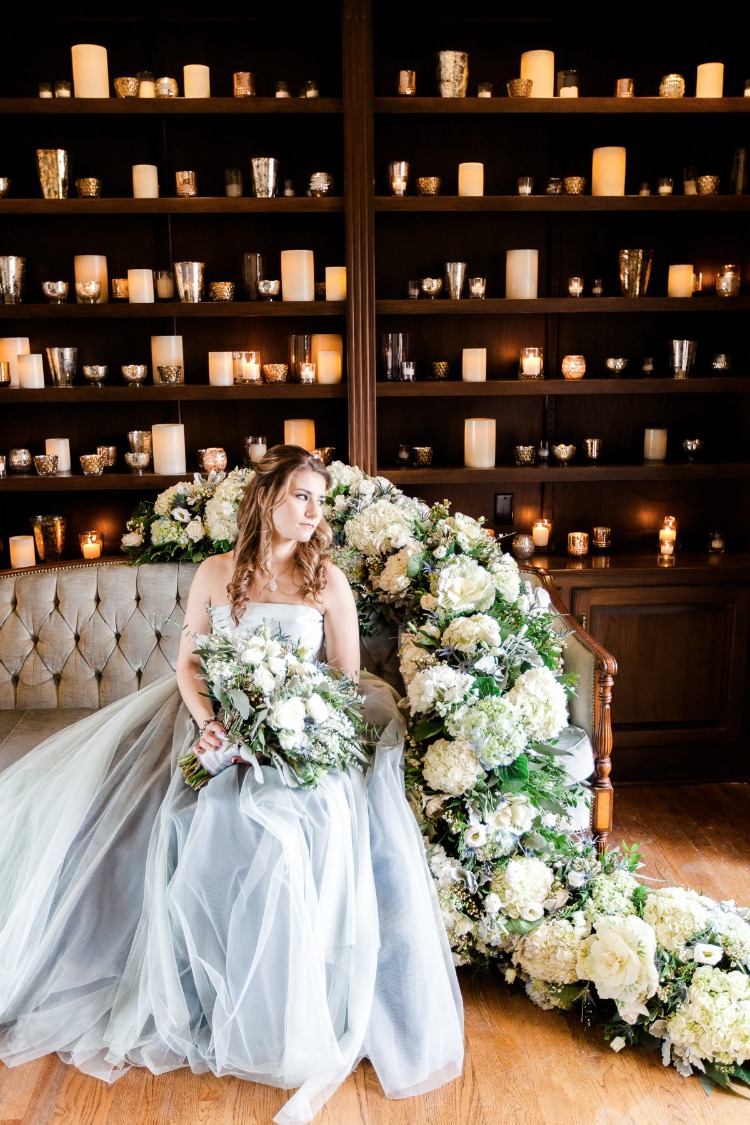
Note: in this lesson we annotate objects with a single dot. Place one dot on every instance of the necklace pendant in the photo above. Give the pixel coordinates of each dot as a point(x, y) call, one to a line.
point(273, 585)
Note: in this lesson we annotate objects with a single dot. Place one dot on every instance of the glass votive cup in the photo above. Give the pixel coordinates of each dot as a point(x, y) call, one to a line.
point(108, 454)
point(221, 290)
point(407, 83)
point(421, 456)
point(91, 544)
point(573, 367)
point(164, 285)
point(721, 362)
point(484, 90)
point(45, 90)
point(246, 366)
point(282, 90)
point(664, 185)
point(243, 84)
point(46, 464)
point(403, 456)
point(407, 374)
point(412, 289)
point(440, 369)
point(3, 470)
point(213, 459)
point(716, 542)
point(88, 292)
point(307, 372)
point(541, 534)
point(478, 288)
point(170, 373)
point(531, 363)
point(624, 88)
point(575, 286)
point(525, 185)
point(186, 183)
point(120, 289)
point(578, 544)
point(255, 448)
point(524, 455)
point(311, 89)
point(601, 538)
point(63, 89)
point(91, 464)
point(166, 88)
point(593, 448)
point(233, 182)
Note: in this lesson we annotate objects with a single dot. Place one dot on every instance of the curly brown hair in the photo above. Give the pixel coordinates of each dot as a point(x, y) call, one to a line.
point(268, 486)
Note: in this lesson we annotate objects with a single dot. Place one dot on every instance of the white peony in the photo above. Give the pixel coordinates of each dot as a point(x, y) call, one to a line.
point(451, 766)
point(317, 708)
point(675, 914)
point(522, 887)
point(620, 960)
point(464, 586)
point(289, 715)
point(437, 688)
point(541, 703)
point(467, 634)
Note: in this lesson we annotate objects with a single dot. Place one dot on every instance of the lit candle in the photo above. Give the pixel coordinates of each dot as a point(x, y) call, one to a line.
point(668, 535)
point(474, 365)
point(710, 80)
point(680, 281)
point(531, 361)
point(93, 267)
point(165, 285)
point(168, 448)
point(539, 66)
point(196, 80)
point(306, 372)
point(141, 287)
point(300, 431)
point(540, 532)
point(90, 72)
point(329, 367)
point(608, 171)
point(479, 443)
point(166, 351)
point(521, 273)
point(335, 283)
point(297, 275)
point(329, 342)
point(30, 372)
point(145, 181)
point(471, 179)
point(654, 445)
point(220, 371)
point(21, 551)
point(91, 545)
point(59, 446)
point(11, 347)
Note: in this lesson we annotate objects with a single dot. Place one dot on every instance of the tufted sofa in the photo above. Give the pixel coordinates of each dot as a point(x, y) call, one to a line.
point(76, 636)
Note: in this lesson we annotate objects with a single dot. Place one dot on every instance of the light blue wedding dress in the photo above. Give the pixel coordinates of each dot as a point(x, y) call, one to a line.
point(280, 935)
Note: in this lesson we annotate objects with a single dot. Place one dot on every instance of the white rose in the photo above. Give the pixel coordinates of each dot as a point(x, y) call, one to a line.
point(492, 903)
point(464, 586)
point(289, 715)
point(619, 959)
point(194, 530)
point(317, 708)
point(131, 539)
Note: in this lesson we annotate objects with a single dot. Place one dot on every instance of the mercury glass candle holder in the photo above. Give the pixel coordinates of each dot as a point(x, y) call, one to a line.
point(522, 545)
point(134, 374)
point(563, 452)
point(140, 441)
point(268, 290)
point(440, 369)
point(578, 544)
point(672, 86)
point(214, 459)
point(428, 185)
point(120, 289)
point(324, 453)
point(276, 372)
point(524, 455)
point(170, 373)
point(221, 290)
point(574, 185)
point(95, 373)
point(421, 456)
point(19, 460)
point(137, 462)
point(573, 367)
point(46, 464)
point(520, 87)
point(56, 292)
point(108, 454)
point(89, 187)
point(88, 292)
point(91, 464)
point(127, 87)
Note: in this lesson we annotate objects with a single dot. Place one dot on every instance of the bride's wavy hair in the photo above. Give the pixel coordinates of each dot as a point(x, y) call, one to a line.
point(268, 486)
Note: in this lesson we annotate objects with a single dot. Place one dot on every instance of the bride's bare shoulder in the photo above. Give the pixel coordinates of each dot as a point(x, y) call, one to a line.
point(213, 575)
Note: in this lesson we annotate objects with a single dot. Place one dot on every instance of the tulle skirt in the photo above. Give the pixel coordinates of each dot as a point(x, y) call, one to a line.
point(280, 935)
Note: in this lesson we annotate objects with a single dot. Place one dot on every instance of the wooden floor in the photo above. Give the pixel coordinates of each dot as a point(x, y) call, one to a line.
point(523, 1066)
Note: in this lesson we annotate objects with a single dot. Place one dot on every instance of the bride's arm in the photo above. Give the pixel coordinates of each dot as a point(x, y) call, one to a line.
point(202, 594)
point(340, 624)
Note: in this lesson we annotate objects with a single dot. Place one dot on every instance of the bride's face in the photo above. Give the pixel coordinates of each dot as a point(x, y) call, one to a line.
point(301, 510)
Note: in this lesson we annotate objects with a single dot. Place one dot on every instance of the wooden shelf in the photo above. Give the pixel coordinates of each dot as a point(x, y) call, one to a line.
point(123, 310)
point(106, 482)
point(586, 386)
point(570, 474)
point(199, 205)
point(167, 107)
point(184, 392)
point(539, 306)
point(563, 204)
point(573, 107)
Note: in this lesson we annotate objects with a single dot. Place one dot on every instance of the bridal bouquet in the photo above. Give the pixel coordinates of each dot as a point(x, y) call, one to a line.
point(279, 707)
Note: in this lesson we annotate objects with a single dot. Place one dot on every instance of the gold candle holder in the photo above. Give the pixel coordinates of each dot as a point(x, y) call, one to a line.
point(578, 544)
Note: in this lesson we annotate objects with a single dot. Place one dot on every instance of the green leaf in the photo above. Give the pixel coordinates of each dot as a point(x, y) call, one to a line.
point(516, 771)
point(487, 685)
point(426, 728)
point(518, 926)
point(416, 564)
point(240, 702)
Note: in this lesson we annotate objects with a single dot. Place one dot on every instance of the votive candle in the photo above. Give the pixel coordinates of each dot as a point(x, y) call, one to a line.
point(300, 431)
point(168, 448)
point(540, 532)
point(479, 443)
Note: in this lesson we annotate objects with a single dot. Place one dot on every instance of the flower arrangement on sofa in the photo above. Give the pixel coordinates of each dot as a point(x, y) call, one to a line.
point(486, 707)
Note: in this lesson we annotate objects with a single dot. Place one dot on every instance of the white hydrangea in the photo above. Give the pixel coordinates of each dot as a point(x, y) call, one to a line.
point(467, 634)
point(438, 688)
point(522, 886)
point(343, 475)
point(165, 530)
point(619, 957)
point(504, 572)
point(735, 934)
point(464, 586)
point(450, 766)
point(493, 727)
point(380, 528)
point(445, 869)
point(541, 703)
point(675, 914)
point(393, 578)
point(165, 500)
point(550, 952)
point(611, 894)
point(548, 996)
point(220, 516)
point(714, 1023)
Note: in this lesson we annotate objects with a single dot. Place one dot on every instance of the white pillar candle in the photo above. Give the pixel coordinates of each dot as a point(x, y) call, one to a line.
point(654, 445)
point(608, 171)
point(471, 178)
point(90, 72)
point(31, 373)
point(521, 273)
point(147, 85)
point(145, 181)
point(21, 551)
point(335, 283)
point(141, 287)
point(479, 443)
point(10, 349)
point(60, 447)
point(474, 365)
point(326, 341)
point(220, 371)
point(196, 80)
point(93, 267)
point(540, 532)
point(300, 431)
point(539, 66)
point(166, 351)
point(168, 448)
point(297, 275)
point(329, 366)
point(710, 80)
point(680, 281)
point(165, 285)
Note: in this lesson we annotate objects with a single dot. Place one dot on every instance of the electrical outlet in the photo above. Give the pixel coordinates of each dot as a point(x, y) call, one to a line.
point(504, 509)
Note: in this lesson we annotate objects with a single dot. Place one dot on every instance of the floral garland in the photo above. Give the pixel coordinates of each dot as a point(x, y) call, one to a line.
point(486, 700)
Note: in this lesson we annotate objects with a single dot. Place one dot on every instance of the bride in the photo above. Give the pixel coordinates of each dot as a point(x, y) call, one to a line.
point(251, 929)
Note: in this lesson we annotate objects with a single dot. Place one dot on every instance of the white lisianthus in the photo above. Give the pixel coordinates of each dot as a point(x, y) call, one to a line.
point(194, 530)
point(620, 960)
point(437, 688)
point(393, 577)
point(714, 1024)
point(550, 952)
point(131, 539)
point(464, 586)
point(675, 914)
point(541, 703)
point(467, 634)
point(492, 903)
point(379, 528)
point(289, 715)
point(706, 954)
point(182, 515)
point(475, 836)
point(493, 727)
point(618, 1043)
point(522, 886)
point(450, 766)
point(317, 708)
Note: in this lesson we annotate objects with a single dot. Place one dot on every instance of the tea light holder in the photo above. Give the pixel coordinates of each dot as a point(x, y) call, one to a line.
point(91, 464)
point(477, 288)
point(91, 544)
point(525, 185)
point(573, 367)
point(524, 455)
point(398, 176)
point(213, 459)
point(531, 363)
point(307, 372)
point(407, 83)
point(668, 536)
point(541, 534)
point(246, 366)
point(186, 183)
point(578, 544)
point(421, 456)
point(408, 371)
point(575, 286)
point(255, 448)
point(716, 542)
point(601, 538)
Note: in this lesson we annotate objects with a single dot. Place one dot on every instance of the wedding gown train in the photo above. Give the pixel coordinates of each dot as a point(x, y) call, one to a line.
point(280, 935)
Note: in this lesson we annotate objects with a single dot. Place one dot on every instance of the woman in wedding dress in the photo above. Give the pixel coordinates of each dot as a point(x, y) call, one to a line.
point(251, 929)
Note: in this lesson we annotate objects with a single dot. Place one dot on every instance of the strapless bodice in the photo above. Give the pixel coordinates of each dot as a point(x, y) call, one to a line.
point(299, 622)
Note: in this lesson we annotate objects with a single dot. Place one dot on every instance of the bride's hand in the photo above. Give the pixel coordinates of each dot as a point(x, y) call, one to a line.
point(211, 748)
